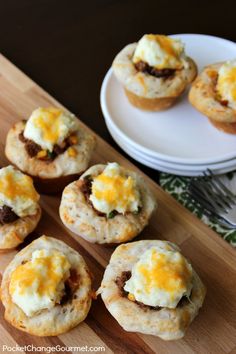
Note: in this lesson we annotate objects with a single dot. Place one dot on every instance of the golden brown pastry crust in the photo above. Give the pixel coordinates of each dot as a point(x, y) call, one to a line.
point(150, 104)
point(202, 96)
point(14, 233)
point(148, 92)
point(61, 318)
point(229, 128)
point(80, 217)
point(62, 165)
point(165, 323)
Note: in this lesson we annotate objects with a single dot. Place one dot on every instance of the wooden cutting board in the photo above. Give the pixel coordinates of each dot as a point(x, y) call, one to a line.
point(213, 331)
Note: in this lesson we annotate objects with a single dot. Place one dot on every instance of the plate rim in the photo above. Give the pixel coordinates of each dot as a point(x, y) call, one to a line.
point(173, 171)
point(225, 164)
point(182, 173)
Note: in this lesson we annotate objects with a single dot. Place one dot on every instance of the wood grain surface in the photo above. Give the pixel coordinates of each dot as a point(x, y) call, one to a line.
point(213, 331)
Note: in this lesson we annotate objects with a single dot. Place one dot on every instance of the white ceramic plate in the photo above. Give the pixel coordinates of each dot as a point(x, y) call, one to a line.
point(167, 167)
point(180, 134)
point(183, 167)
point(157, 166)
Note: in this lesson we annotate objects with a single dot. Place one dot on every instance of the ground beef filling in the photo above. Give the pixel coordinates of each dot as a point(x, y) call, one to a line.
point(7, 215)
point(71, 285)
point(159, 73)
point(126, 275)
point(33, 149)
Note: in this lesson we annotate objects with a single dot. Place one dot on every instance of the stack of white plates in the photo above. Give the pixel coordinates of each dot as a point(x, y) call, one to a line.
point(179, 140)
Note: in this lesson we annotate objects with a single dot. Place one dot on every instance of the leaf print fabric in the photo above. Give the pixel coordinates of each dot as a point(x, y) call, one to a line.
point(177, 187)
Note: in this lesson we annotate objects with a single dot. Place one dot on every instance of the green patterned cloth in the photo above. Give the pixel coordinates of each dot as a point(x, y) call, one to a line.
point(177, 187)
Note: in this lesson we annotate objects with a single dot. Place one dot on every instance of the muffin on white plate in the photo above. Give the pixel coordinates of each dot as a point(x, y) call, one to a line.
point(19, 208)
point(213, 93)
point(150, 287)
point(52, 146)
point(154, 72)
point(46, 288)
point(108, 204)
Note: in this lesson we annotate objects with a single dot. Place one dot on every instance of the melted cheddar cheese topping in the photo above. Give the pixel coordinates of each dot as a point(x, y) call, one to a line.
point(17, 192)
point(160, 278)
point(226, 83)
point(39, 283)
point(112, 190)
point(49, 126)
point(160, 52)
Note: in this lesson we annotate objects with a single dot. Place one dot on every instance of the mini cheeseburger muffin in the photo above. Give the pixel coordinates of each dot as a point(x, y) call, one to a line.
point(149, 287)
point(19, 208)
point(52, 146)
point(108, 204)
point(46, 289)
point(154, 72)
point(213, 93)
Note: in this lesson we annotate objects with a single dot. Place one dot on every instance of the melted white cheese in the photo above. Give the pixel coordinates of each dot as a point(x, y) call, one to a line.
point(160, 278)
point(39, 283)
point(160, 52)
point(112, 190)
point(226, 83)
point(49, 126)
point(17, 192)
